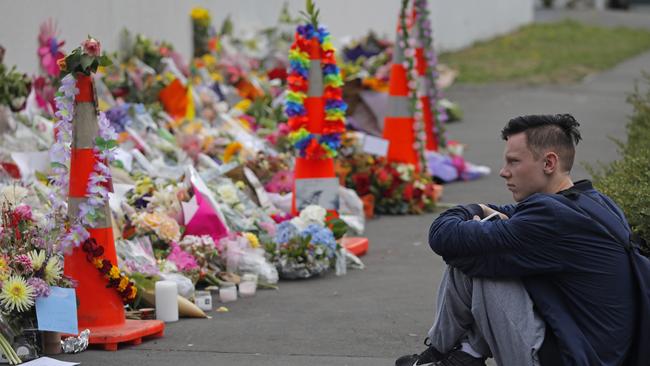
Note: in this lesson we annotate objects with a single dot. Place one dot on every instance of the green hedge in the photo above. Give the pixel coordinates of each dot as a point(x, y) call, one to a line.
point(627, 181)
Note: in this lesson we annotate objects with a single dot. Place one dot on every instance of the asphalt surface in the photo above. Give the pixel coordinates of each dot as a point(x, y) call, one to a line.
point(372, 316)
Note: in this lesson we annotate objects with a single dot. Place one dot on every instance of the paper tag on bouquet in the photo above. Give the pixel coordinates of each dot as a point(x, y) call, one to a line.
point(375, 145)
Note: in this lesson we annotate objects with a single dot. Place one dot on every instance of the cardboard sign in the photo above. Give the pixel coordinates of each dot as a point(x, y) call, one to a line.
point(317, 191)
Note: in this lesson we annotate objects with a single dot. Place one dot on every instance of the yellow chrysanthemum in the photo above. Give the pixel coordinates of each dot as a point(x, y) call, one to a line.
point(38, 258)
point(52, 271)
point(114, 273)
point(209, 60)
point(4, 268)
point(243, 105)
point(200, 14)
point(123, 283)
point(231, 150)
point(17, 295)
point(252, 240)
point(97, 262)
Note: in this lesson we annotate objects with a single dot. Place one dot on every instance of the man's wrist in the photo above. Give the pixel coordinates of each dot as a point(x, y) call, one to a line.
point(474, 209)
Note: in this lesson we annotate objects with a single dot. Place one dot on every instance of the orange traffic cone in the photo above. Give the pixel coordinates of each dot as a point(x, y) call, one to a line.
point(100, 308)
point(398, 123)
point(425, 93)
point(306, 168)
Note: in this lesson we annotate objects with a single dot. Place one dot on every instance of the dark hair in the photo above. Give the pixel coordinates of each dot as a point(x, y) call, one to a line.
point(558, 132)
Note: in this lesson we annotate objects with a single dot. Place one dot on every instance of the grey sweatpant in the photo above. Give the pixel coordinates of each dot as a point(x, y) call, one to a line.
point(495, 316)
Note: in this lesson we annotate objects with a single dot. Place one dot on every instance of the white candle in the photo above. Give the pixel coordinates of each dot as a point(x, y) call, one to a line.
point(166, 301)
point(227, 292)
point(203, 300)
point(248, 285)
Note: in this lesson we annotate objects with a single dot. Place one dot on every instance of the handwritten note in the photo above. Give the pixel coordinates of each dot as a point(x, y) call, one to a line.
point(58, 312)
point(375, 145)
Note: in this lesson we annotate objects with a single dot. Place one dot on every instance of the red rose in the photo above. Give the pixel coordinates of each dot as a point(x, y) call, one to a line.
point(361, 183)
point(384, 176)
point(417, 193)
point(408, 192)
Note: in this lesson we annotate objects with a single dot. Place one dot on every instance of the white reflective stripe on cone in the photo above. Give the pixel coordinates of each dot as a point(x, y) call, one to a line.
point(399, 106)
point(103, 220)
point(85, 127)
point(315, 79)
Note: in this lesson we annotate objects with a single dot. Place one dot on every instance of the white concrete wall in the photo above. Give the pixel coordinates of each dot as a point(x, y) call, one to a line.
point(457, 23)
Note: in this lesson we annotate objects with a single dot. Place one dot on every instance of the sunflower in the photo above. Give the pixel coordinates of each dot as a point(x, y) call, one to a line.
point(52, 271)
point(16, 294)
point(38, 258)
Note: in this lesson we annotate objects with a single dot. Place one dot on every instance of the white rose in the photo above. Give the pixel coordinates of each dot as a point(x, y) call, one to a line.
point(228, 194)
point(405, 171)
point(313, 214)
point(299, 223)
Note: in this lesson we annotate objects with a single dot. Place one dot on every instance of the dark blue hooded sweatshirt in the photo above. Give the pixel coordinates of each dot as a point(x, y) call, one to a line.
point(569, 255)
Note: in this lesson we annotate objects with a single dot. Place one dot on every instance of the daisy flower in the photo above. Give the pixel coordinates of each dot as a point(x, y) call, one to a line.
point(16, 294)
point(38, 258)
point(52, 270)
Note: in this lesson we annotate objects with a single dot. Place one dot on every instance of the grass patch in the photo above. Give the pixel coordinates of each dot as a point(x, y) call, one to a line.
point(561, 52)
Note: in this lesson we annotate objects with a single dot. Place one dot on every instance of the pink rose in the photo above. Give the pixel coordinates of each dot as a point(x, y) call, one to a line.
point(92, 47)
point(23, 213)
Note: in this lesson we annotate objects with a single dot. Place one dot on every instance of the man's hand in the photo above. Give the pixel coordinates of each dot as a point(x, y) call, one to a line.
point(487, 211)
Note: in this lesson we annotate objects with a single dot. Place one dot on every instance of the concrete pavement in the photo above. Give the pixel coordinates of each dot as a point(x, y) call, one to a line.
point(370, 317)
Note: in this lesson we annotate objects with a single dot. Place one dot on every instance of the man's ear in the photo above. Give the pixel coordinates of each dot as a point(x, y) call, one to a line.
point(551, 162)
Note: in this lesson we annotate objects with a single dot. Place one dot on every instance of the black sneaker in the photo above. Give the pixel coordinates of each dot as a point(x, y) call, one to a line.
point(428, 357)
point(460, 358)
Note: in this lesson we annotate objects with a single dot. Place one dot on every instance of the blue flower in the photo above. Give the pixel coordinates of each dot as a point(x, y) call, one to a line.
point(330, 69)
point(294, 109)
point(303, 143)
point(119, 117)
point(312, 230)
point(336, 103)
point(285, 232)
point(321, 236)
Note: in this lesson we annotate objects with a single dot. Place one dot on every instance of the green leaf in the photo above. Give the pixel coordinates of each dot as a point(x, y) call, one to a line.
point(86, 61)
point(58, 165)
point(118, 164)
point(105, 61)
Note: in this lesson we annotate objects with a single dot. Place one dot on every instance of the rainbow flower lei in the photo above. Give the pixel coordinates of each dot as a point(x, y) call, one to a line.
point(308, 144)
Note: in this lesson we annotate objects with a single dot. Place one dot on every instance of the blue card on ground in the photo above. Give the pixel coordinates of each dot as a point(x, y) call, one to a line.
point(58, 312)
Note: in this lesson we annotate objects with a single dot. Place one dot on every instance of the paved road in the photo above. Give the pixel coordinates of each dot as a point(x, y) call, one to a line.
point(372, 316)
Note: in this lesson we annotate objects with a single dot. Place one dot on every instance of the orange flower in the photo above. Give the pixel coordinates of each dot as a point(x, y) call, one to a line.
point(134, 292)
point(63, 66)
point(232, 149)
